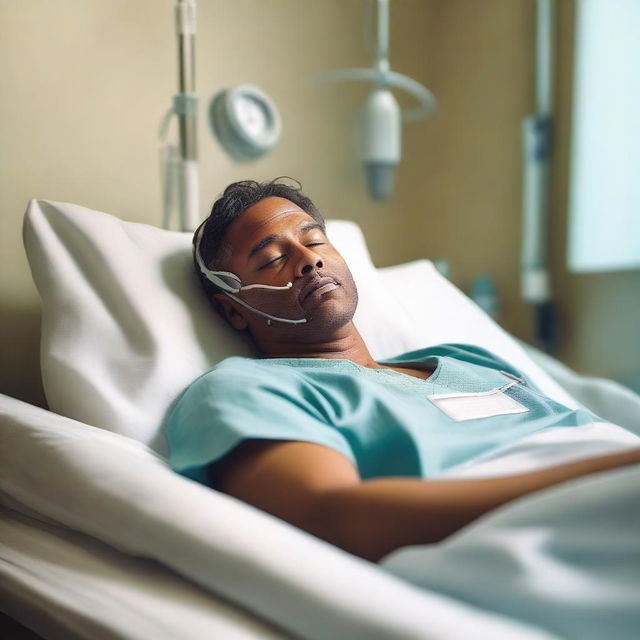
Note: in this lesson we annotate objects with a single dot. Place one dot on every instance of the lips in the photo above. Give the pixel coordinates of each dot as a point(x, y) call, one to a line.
point(314, 285)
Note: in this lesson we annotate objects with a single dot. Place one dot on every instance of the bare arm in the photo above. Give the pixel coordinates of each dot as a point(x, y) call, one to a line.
point(319, 490)
point(401, 511)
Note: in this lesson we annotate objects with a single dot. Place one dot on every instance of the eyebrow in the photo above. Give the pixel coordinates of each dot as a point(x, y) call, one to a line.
point(274, 237)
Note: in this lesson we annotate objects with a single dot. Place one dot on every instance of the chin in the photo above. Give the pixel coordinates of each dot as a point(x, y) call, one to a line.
point(329, 317)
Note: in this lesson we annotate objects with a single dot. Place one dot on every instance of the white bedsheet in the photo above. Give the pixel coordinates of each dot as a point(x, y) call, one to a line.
point(67, 586)
point(566, 559)
point(564, 563)
point(118, 491)
point(547, 448)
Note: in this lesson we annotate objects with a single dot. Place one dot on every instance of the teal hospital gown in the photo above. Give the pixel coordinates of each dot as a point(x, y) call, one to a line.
point(388, 423)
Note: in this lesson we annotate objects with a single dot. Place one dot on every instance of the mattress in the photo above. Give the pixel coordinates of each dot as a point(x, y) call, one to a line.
point(68, 586)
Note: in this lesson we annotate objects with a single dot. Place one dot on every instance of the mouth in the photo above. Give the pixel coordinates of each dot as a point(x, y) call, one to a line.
point(316, 288)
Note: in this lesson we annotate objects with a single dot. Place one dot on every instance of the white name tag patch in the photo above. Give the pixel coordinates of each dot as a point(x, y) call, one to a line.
point(471, 406)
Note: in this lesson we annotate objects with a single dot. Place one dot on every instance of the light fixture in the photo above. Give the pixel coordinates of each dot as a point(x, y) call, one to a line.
point(381, 117)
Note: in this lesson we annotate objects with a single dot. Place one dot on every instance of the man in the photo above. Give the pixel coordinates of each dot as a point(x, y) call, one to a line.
point(320, 434)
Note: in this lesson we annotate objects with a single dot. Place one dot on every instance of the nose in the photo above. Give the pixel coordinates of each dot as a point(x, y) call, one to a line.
point(309, 260)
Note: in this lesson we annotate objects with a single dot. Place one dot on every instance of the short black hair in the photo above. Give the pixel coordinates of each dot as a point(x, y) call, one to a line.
point(235, 200)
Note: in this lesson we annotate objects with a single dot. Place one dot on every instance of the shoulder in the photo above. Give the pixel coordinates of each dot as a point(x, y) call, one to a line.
point(230, 390)
point(451, 349)
point(240, 367)
point(236, 374)
point(474, 354)
point(468, 353)
point(240, 380)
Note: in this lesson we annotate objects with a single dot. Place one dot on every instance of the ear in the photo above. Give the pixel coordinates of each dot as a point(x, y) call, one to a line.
point(234, 316)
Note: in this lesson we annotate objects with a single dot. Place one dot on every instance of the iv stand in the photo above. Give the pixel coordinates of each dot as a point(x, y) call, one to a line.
point(180, 164)
point(537, 147)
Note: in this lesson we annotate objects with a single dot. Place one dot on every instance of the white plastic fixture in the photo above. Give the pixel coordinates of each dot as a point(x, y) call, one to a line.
point(381, 117)
point(245, 121)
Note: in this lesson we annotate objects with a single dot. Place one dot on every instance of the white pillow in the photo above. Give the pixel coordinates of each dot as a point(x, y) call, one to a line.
point(125, 324)
point(430, 310)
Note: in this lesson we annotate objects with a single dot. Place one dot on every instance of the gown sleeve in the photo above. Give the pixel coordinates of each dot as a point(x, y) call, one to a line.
point(222, 409)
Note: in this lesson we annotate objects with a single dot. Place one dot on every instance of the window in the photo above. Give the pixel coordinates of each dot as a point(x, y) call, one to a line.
point(604, 200)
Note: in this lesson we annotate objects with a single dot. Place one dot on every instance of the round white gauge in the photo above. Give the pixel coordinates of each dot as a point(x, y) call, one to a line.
point(251, 116)
point(245, 121)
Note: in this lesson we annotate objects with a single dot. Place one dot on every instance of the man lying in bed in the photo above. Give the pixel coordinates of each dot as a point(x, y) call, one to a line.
point(316, 431)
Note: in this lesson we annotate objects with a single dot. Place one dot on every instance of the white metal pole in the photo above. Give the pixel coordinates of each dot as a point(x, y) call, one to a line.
point(544, 55)
point(185, 106)
point(537, 142)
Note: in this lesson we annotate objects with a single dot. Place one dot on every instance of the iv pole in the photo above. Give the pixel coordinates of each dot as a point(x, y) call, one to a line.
point(233, 121)
point(537, 146)
point(180, 165)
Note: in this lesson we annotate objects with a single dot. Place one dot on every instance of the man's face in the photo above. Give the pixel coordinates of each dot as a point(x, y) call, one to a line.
point(274, 242)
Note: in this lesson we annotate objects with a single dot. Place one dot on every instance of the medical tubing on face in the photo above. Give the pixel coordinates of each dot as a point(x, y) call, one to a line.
point(262, 313)
point(265, 286)
point(227, 289)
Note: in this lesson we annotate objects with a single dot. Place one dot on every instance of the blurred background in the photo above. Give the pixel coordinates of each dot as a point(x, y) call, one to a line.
point(85, 85)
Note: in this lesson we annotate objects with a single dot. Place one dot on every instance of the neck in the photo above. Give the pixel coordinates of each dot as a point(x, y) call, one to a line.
point(347, 344)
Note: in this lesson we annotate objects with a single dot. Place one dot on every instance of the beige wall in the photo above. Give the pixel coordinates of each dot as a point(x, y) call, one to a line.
point(84, 85)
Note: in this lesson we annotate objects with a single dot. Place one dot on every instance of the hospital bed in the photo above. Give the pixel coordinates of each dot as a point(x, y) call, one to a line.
point(100, 539)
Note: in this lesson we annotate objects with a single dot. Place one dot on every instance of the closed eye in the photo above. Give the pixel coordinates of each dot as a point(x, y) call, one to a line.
point(284, 255)
point(264, 266)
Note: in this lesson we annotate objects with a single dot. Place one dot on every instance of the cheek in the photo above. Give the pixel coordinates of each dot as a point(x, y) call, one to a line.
point(281, 303)
point(342, 273)
point(336, 264)
point(350, 286)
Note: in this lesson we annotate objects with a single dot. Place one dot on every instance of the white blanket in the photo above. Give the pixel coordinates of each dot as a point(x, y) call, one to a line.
point(566, 559)
point(69, 586)
point(561, 563)
point(120, 492)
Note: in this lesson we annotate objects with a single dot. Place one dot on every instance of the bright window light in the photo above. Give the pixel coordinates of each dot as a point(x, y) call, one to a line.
point(604, 202)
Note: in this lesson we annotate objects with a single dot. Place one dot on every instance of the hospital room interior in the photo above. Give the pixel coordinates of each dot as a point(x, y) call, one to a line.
point(489, 142)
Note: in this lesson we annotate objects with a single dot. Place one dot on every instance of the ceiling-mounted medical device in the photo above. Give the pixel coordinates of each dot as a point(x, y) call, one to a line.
point(244, 119)
point(381, 116)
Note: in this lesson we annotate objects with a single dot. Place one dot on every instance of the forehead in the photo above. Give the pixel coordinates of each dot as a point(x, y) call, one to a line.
point(271, 215)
